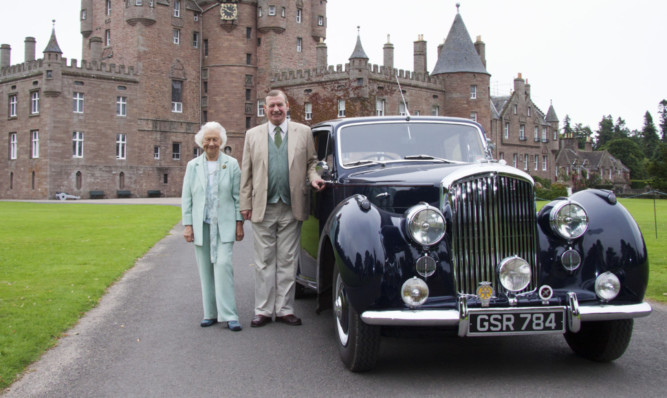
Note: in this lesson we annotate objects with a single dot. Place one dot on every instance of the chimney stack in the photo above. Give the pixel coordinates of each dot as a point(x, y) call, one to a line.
point(29, 49)
point(388, 51)
point(420, 55)
point(321, 55)
point(5, 55)
point(480, 47)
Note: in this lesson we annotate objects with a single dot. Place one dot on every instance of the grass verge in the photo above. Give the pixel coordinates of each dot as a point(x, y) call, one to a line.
point(57, 260)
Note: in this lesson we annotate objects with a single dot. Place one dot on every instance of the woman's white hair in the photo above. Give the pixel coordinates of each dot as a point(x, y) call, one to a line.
point(211, 126)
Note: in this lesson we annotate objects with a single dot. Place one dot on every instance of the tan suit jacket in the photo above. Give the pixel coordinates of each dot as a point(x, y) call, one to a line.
point(302, 160)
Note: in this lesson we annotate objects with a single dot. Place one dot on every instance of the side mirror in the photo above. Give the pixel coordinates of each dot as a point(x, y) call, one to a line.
point(322, 169)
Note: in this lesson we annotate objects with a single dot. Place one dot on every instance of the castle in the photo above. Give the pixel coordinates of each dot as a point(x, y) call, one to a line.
point(121, 122)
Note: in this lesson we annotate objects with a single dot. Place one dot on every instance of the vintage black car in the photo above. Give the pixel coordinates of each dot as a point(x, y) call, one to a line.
point(421, 228)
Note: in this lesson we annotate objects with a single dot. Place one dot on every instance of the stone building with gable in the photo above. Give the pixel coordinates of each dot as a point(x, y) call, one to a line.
point(121, 121)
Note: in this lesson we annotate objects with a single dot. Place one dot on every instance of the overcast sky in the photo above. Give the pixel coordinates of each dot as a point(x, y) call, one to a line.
point(589, 57)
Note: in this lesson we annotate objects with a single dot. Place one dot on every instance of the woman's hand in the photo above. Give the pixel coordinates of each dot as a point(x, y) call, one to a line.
point(239, 230)
point(189, 234)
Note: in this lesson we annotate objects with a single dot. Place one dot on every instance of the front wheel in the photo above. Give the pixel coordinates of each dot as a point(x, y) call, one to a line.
point(358, 343)
point(602, 341)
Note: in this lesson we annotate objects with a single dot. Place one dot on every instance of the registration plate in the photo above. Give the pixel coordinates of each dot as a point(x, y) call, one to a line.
point(516, 321)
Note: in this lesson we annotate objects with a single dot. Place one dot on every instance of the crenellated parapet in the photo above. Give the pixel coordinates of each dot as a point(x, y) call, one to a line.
point(340, 72)
point(84, 69)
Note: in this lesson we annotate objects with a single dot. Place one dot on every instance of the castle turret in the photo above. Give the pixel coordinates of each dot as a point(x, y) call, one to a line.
point(420, 55)
point(143, 13)
point(86, 17)
point(53, 82)
point(359, 67)
point(319, 20)
point(388, 51)
point(29, 54)
point(272, 15)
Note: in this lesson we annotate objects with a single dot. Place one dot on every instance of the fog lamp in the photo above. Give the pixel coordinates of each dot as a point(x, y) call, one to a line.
point(571, 259)
point(607, 286)
point(414, 292)
point(514, 273)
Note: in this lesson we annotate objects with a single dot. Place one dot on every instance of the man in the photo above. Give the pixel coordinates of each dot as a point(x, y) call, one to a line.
point(277, 158)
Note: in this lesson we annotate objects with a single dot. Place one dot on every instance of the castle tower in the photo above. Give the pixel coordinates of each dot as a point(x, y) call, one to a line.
point(466, 79)
point(359, 68)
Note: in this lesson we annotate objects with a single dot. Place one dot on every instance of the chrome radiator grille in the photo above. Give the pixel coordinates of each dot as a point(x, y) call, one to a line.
point(493, 218)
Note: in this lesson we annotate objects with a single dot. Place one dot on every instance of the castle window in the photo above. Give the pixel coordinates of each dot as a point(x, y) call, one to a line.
point(544, 163)
point(176, 151)
point(138, 2)
point(473, 92)
point(204, 116)
point(248, 33)
point(536, 162)
point(12, 146)
point(536, 134)
point(13, 104)
point(34, 135)
point(272, 10)
point(248, 59)
point(107, 8)
point(176, 96)
point(205, 86)
point(11, 180)
point(165, 178)
point(522, 132)
point(206, 47)
point(196, 16)
point(83, 14)
point(473, 116)
point(260, 108)
point(435, 110)
point(79, 180)
point(379, 107)
point(177, 36)
point(121, 180)
point(308, 111)
point(77, 144)
point(248, 93)
point(107, 37)
point(177, 8)
point(77, 102)
point(320, 21)
point(525, 161)
point(515, 160)
point(528, 110)
point(195, 39)
point(341, 108)
point(507, 130)
point(403, 108)
point(156, 152)
point(555, 134)
point(282, 12)
point(298, 15)
point(247, 122)
point(121, 146)
point(299, 44)
point(259, 12)
point(248, 80)
point(32, 180)
point(121, 106)
point(516, 109)
point(544, 134)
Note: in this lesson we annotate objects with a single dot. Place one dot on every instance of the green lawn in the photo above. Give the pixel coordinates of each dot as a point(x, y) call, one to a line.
point(56, 261)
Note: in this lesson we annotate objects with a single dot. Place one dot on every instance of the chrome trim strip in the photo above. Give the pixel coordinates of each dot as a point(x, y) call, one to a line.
point(607, 312)
point(460, 317)
point(573, 313)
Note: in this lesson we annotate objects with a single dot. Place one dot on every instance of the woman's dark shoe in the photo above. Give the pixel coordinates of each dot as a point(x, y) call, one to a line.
point(208, 322)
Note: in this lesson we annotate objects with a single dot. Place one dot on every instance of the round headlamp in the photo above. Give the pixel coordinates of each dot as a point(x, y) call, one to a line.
point(607, 286)
point(425, 224)
point(514, 273)
point(414, 292)
point(568, 219)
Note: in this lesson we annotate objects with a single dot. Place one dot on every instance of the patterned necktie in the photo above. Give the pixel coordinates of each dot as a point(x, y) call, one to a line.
point(277, 137)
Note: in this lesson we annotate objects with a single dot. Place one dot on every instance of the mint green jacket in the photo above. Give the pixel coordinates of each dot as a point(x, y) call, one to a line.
point(193, 197)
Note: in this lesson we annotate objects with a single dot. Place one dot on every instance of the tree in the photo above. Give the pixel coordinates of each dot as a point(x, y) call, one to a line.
point(630, 154)
point(649, 137)
point(620, 129)
point(583, 134)
point(605, 131)
point(658, 169)
point(662, 110)
point(567, 128)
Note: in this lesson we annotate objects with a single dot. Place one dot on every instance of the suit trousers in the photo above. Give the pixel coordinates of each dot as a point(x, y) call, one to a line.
point(217, 280)
point(277, 243)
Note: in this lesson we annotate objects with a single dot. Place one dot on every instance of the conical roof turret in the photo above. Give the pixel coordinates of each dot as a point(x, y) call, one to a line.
point(53, 46)
point(358, 52)
point(551, 115)
point(458, 53)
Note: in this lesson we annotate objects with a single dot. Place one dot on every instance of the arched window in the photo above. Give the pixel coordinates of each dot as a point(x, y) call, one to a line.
point(121, 180)
point(79, 179)
point(33, 181)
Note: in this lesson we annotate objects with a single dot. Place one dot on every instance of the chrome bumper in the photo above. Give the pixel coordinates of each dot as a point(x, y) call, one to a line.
point(575, 314)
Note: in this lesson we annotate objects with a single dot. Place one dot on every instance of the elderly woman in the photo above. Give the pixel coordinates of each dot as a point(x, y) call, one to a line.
point(212, 220)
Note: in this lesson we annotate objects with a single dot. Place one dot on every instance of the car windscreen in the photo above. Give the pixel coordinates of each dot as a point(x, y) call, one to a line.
point(406, 141)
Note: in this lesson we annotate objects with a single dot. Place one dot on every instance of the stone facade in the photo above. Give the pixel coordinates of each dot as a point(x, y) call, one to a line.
point(172, 65)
